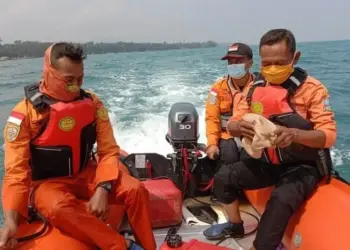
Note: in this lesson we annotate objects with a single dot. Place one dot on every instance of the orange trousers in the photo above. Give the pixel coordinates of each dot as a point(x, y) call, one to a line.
point(59, 201)
point(53, 239)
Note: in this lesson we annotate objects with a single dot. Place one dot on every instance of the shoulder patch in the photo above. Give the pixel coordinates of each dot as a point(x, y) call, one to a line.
point(16, 118)
point(327, 105)
point(214, 91)
point(12, 131)
point(212, 96)
point(102, 113)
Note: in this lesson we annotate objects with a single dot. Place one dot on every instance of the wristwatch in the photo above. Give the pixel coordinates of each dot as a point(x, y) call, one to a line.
point(106, 186)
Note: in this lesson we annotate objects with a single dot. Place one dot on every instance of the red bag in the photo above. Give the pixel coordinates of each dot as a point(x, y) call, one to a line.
point(194, 245)
point(165, 203)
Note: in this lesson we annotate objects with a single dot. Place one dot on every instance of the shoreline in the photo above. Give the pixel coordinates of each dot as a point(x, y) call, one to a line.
point(30, 50)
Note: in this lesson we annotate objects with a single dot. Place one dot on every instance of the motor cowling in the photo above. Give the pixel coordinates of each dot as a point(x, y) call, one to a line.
point(183, 126)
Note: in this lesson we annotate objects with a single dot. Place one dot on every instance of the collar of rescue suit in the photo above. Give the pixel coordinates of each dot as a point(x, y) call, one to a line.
point(230, 81)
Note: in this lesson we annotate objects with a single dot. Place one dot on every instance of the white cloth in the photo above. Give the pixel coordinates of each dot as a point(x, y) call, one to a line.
point(264, 135)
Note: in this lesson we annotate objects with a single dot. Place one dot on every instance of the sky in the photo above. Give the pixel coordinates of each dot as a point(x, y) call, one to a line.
point(171, 21)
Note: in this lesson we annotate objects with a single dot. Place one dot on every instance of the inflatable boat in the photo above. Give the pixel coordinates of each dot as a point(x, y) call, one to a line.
point(180, 185)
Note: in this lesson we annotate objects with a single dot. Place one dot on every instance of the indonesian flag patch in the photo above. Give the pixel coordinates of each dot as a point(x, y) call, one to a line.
point(13, 126)
point(212, 96)
point(233, 48)
point(16, 118)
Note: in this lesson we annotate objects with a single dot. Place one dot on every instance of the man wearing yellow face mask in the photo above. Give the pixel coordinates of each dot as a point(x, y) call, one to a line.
point(299, 105)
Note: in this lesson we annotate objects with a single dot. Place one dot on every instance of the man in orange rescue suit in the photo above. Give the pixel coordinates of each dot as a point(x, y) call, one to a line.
point(222, 99)
point(49, 138)
point(299, 105)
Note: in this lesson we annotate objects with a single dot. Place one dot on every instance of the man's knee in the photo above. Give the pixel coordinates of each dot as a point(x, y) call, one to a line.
point(137, 187)
point(222, 177)
point(225, 188)
point(292, 195)
point(296, 190)
point(229, 152)
point(51, 201)
point(133, 187)
point(283, 198)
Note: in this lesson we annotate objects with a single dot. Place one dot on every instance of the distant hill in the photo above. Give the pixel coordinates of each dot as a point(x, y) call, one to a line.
point(32, 49)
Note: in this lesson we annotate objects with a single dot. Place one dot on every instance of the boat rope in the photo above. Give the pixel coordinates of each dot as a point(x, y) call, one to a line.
point(36, 234)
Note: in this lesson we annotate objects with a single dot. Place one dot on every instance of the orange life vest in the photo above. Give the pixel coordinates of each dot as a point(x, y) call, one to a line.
point(65, 142)
point(273, 102)
point(225, 117)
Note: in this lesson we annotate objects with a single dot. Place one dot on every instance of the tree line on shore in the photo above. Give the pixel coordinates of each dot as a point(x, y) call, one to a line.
point(33, 49)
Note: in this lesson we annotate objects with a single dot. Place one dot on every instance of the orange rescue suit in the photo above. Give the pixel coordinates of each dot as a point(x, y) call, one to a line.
point(220, 104)
point(31, 130)
point(300, 102)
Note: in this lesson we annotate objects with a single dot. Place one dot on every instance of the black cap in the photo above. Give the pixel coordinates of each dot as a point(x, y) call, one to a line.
point(238, 50)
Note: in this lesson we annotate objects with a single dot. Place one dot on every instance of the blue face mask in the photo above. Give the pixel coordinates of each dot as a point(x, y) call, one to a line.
point(236, 71)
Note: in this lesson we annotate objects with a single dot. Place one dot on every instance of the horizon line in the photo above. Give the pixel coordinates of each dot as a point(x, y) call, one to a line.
point(168, 42)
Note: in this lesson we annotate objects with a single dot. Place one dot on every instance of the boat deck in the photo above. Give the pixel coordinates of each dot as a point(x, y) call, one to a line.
point(192, 228)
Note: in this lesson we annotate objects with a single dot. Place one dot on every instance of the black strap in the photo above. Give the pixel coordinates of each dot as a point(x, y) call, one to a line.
point(232, 104)
point(254, 74)
point(296, 80)
point(40, 101)
point(259, 81)
point(232, 96)
point(33, 95)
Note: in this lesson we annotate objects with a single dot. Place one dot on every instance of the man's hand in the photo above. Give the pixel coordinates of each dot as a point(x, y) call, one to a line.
point(211, 150)
point(7, 233)
point(246, 129)
point(98, 204)
point(285, 136)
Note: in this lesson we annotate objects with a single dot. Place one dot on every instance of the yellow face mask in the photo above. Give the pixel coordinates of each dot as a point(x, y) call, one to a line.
point(277, 74)
point(72, 87)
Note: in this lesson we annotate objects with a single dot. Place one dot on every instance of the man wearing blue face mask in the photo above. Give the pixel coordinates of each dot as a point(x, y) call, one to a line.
point(222, 99)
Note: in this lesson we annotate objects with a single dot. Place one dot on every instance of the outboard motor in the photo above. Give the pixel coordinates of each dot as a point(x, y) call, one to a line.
point(183, 126)
point(183, 135)
point(186, 166)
